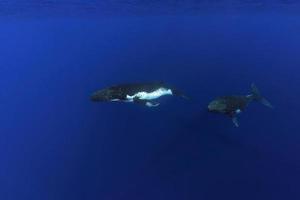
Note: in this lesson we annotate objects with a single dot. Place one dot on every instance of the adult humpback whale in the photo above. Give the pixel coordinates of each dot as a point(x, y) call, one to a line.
point(140, 93)
point(233, 105)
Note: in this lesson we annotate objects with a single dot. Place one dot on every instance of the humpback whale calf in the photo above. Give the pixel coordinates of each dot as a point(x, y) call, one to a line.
point(234, 105)
point(139, 93)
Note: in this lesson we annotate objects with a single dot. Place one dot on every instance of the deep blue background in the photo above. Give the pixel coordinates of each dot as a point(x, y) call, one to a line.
point(56, 144)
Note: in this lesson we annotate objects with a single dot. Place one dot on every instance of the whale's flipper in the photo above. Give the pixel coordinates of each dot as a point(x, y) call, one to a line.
point(145, 102)
point(258, 97)
point(152, 104)
point(235, 121)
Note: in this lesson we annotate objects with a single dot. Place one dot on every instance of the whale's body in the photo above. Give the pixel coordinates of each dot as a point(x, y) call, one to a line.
point(142, 93)
point(235, 104)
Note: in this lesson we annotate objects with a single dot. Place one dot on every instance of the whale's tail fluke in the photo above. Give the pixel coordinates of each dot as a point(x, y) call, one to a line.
point(256, 95)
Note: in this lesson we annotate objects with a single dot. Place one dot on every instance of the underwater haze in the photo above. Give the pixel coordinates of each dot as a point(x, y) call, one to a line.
point(56, 144)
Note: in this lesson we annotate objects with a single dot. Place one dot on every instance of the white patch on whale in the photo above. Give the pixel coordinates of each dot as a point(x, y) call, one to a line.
point(149, 104)
point(150, 95)
point(238, 111)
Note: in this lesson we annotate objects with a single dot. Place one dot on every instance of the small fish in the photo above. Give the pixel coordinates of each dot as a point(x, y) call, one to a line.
point(234, 105)
point(140, 93)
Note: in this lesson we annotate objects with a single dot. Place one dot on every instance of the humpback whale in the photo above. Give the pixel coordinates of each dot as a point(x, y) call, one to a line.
point(139, 93)
point(235, 104)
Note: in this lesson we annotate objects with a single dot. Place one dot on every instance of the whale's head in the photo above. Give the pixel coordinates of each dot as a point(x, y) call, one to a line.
point(102, 95)
point(217, 106)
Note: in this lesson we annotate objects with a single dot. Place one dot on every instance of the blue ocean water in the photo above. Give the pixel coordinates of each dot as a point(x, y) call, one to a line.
point(55, 144)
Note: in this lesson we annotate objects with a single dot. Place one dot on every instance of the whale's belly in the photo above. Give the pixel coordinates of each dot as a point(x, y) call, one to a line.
point(150, 95)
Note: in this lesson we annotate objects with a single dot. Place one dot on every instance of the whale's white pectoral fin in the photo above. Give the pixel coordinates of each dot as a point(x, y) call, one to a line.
point(235, 121)
point(145, 102)
point(152, 104)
